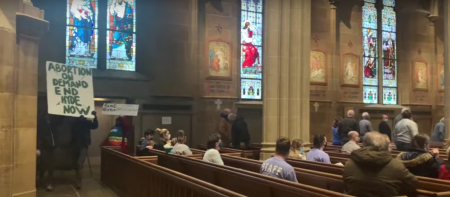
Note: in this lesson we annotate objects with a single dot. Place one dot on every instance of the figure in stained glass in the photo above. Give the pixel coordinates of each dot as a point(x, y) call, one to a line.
point(83, 16)
point(123, 27)
point(389, 57)
point(370, 43)
point(250, 51)
point(370, 70)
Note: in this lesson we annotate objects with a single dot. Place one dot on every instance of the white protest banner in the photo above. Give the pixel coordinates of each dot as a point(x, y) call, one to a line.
point(120, 109)
point(70, 90)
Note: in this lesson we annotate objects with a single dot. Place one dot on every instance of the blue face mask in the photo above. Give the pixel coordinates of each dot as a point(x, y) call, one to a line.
point(302, 150)
point(220, 145)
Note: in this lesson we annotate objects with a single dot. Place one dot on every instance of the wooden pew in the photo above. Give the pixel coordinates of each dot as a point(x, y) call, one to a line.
point(241, 181)
point(330, 181)
point(251, 154)
point(132, 177)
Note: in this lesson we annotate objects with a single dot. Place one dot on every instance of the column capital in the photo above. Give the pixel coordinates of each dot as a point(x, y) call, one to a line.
point(28, 2)
point(333, 4)
point(432, 19)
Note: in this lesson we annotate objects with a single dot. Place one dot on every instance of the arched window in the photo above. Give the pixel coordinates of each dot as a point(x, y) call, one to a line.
point(82, 33)
point(379, 76)
point(251, 49)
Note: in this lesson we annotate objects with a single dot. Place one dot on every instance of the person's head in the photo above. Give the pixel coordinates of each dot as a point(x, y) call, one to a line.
point(421, 141)
point(336, 122)
point(282, 147)
point(320, 141)
point(118, 122)
point(231, 117)
point(404, 109)
point(354, 136)
point(151, 143)
point(375, 140)
point(365, 115)
point(442, 119)
point(385, 118)
point(214, 142)
point(164, 134)
point(173, 141)
point(350, 113)
point(406, 114)
point(148, 134)
point(297, 145)
point(225, 113)
point(181, 137)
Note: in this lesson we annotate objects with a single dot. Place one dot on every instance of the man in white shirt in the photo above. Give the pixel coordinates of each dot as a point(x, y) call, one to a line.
point(352, 144)
point(212, 155)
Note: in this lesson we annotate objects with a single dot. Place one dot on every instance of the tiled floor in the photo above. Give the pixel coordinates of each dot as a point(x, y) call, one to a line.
point(63, 186)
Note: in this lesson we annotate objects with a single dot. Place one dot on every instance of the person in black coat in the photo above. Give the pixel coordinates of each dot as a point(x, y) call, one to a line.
point(239, 131)
point(81, 139)
point(45, 149)
point(384, 128)
point(346, 125)
point(419, 161)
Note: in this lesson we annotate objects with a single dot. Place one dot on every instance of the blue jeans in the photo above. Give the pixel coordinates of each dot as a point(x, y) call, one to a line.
point(402, 146)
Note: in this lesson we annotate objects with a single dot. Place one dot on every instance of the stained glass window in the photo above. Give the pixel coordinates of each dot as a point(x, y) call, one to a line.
point(251, 89)
point(370, 94)
point(81, 33)
point(389, 96)
point(121, 37)
point(389, 41)
point(251, 48)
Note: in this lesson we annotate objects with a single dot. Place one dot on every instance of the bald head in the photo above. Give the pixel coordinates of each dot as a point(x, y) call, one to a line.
point(350, 113)
point(354, 136)
point(226, 111)
point(385, 117)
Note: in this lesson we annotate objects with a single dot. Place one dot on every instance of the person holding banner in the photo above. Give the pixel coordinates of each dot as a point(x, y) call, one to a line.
point(81, 138)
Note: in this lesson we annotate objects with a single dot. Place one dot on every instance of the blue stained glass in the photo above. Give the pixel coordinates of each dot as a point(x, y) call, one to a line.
point(389, 19)
point(370, 1)
point(390, 96)
point(390, 73)
point(252, 5)
point(81, 33)
point(370, 71)
point(390, 3)
point(389, 45)
point(121, 37)
point(251, 89)
point(370, 43)
point(254, 28)
point(369, 16)
point(370, 94)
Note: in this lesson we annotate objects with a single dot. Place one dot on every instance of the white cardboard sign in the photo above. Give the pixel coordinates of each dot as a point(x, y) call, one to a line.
point(120, 109)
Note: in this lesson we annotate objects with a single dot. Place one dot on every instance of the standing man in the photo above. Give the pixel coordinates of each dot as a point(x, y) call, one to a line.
point(239, 131)
point(438, 134)
point(384, 128)
point(399, 117)
point(224, 127)
point(404, 132)
point(81, 136)
point(347, 124)
point(365, 125)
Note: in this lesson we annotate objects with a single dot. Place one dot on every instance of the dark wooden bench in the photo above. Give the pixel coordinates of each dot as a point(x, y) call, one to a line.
point(129, 176)
point(253, 153)
point(331, 181)
point(238, 180)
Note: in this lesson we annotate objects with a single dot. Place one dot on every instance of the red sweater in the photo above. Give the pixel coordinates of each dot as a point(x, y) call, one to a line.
point(444, 174)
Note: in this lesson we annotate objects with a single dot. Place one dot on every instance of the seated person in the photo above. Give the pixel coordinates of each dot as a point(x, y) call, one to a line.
point(419, 161)
point(352, 144)
point(180, 147)
point(372, 172)
point(297, 150)
point(277, 166)
point(164, 140)
point(317, 153)
point(146, 141)
point(444, 171)
point(213, 145)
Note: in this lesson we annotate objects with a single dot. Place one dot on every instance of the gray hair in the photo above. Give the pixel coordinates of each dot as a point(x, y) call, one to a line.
point(405, 109)
point(365, 114)
point(351, 134)
point(231, 116)
point(442, 119)
point(376, 140)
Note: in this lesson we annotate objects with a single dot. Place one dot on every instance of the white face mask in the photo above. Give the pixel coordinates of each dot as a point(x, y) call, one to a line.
point(168, 136)
point(385, 120)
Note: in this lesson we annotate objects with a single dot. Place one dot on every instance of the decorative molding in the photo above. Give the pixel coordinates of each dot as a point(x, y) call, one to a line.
point(415, 75)
point(30, 26)
point(432, 19)
point(316, 39)
point(218, 75)
point(333, 4)
point(325, 70)
point(356, 70)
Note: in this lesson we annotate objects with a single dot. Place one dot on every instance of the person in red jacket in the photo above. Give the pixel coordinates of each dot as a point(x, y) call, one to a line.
point(444, 171)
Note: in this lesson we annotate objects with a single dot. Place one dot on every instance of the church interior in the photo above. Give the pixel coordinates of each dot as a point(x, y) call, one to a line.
point(289, 68)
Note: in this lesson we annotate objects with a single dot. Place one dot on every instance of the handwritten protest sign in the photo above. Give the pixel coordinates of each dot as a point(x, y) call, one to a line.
point(120, 109)
point(70, 90)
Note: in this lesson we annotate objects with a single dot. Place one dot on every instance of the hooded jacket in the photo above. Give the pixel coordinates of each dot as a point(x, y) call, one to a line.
point(374, 173)
point(421, 163)
point(239, 131)
point(81, 132)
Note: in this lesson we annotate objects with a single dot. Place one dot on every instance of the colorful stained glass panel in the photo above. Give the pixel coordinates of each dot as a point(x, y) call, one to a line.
point(389, 45)
point(390, 73)
point(390, 3)
point(370, 94)
point(370, 43)
point(369, 16)
point(251, 28)
point(252, 5)
point(370, 1)
point(251, 89)
point(370, 71)
point(251, 58)
point(389, 20)
point(121, 38)
point(389, 96)
point(81, 33)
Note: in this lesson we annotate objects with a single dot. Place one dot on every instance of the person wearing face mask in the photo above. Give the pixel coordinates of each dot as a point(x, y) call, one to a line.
point(164, 140)
point(384, 128)
point(224, 127)
point(212, 155)
point(317, 154)
point(419, 160)
point(297, 150)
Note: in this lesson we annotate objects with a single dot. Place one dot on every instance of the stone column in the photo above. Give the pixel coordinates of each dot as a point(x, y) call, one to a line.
point(334, 55)
point(286, 81)
point(447, 67)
